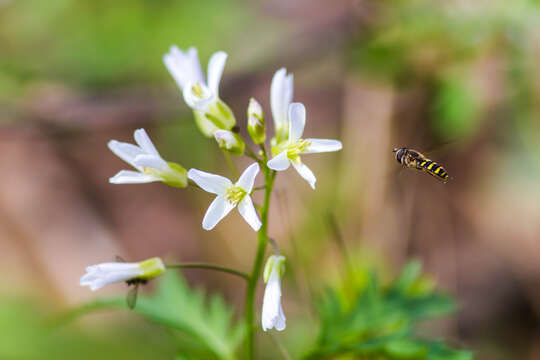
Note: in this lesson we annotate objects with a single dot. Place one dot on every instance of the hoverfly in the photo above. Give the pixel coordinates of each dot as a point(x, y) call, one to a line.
point(414, 159)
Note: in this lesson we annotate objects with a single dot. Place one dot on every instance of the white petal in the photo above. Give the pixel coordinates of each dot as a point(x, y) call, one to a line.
point(322, 145)
point(125, 151)
point(280, 162)
point(306, 173)
point(217, 210)
point(183, 66)
point(247, 178)
point(142, 139)
point(247, 210)
point(211, 183)
point(272, 312)
point(132, 177)
point(281, 94)
point(102, 274)
point(215, 70)
point(152, 161)
point(195, 102)
point(195, 66)
point(297, 121)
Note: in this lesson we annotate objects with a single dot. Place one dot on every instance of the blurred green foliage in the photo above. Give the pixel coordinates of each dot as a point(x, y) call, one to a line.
point(105, 44)
point(439, 46)
point(27, 333)
point(363, 318)
point(202, 328)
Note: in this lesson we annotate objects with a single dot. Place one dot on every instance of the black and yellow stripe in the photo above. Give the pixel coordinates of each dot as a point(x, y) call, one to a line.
point(434, 169)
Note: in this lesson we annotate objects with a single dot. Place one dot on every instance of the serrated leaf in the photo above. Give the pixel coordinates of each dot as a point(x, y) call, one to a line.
point(379, 321)
point(208, 324)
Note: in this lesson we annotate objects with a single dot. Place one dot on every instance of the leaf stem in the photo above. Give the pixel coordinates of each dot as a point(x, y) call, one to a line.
point(209, 267)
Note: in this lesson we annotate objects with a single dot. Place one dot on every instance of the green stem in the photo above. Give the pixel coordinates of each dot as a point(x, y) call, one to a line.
point(209, 267)
point(262, 239)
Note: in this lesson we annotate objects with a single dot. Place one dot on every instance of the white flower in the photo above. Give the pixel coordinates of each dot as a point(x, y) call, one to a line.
point(146, 159)
point(229, 195)
point(203, 97)
point(103, 274)
point(185, 68)
point(272, 311)
point(289, 152)
point(281, 95)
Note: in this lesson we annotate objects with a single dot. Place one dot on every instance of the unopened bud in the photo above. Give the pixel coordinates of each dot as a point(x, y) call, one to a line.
point(227, 140)
point(256, 125)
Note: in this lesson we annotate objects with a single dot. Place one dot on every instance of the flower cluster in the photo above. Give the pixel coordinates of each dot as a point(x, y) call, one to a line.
point(216, 119)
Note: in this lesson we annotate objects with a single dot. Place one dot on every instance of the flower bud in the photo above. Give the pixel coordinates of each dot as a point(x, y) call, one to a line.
point(256, 125)
point(227, 140)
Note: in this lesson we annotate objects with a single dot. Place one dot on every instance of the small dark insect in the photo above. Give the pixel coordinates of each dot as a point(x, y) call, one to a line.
point(410, 158)
point(131, 297)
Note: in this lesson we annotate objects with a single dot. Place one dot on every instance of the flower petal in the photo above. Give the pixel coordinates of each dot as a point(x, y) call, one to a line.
point(280, 162)
point(211, 183)
point(217, 210)
point(143, 140)
point(184, 66)
point(125, 151)
point(100, 275)
point(247, 178)
point(272, 311)
point(152, 161)
point(322, 145)
point(306, 173)
point(215, 70)
point(297, 121)
point(247, 210)
point(281, 94)
point(196, 72)
point(132, 177)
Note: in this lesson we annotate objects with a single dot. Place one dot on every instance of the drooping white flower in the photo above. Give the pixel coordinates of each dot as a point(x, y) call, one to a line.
point(290, 151)
point(146, 159)
point(203, 97)
point(229, 196)
point(281, 95)
point(103, 274)
point(272, 311)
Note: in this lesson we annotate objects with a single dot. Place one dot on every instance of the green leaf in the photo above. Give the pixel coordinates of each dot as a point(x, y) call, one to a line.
point(375, 321)
point(200, 326)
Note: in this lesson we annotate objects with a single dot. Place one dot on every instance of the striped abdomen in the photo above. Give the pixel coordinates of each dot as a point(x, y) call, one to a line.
point(432, 168)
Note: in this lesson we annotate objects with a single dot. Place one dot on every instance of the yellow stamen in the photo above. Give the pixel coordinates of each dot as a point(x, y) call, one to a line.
point(235, 194)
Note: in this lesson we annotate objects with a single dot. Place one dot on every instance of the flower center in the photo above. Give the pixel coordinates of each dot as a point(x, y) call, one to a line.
point(148, 170)
point(198, 91)
point(234, 194)
point(294, 150)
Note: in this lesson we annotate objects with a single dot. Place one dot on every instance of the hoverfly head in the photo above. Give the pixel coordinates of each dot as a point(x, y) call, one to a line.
point(400, 152)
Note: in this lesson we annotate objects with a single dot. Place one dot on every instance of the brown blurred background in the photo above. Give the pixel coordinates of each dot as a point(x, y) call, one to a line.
point(457, 79)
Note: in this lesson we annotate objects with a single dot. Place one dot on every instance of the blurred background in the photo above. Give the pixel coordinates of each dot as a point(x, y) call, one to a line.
point(456, 79)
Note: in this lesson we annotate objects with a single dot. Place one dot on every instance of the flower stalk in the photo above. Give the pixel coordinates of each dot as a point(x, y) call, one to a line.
point(209, 267)
point(262, 241)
